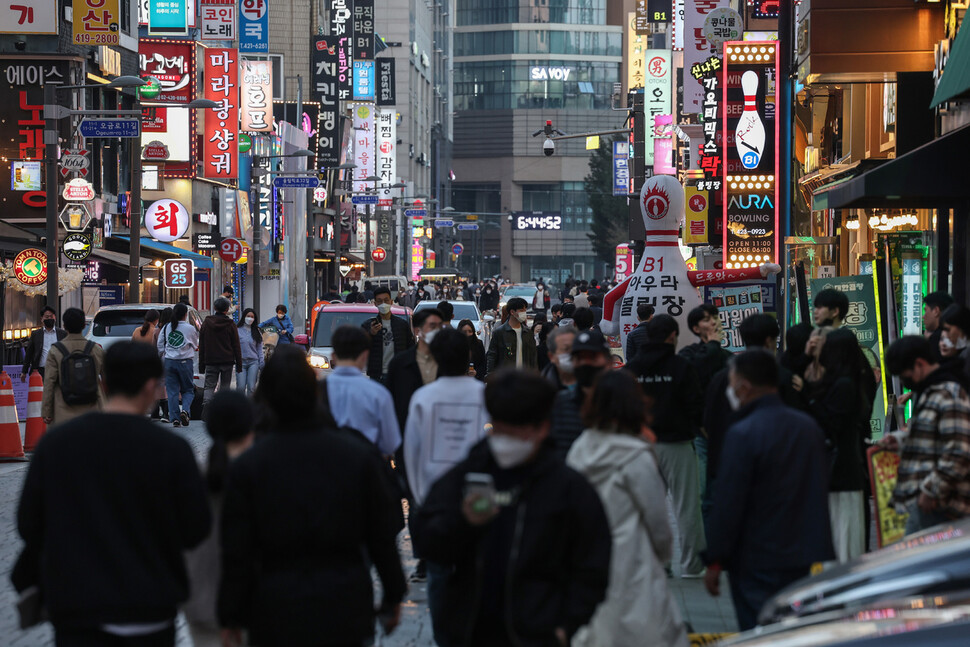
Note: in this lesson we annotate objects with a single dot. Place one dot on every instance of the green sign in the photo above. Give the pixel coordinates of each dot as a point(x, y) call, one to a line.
point(245, 143)
point(151, 89)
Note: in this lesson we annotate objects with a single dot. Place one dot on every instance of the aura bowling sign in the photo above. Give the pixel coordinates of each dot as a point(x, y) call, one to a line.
point(750, 148)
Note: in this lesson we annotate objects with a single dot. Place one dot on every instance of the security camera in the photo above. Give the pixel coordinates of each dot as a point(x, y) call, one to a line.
point(548, 147)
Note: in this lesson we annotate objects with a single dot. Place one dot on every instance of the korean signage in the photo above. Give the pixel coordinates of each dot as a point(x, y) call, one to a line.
point(386, 82)
point(734, 305)
point(387, 146)
point(218, 20)
point(710, 75)
point(624, 264)
point(257, 96)
point(342, 35)
point(364, 124)
point(253, 26)
point(621, 168)
point(363, 30)
point(695, 224)
point(172, 64)
point(636, 54)
point(29, 17)
point(912, 296)
point(167, 18)
point(143, 9)
point(678, 24)
point(96, 22)
point(324, 90)
point(363, 80)
point(663, 145)
point(222, 123)
point(656, 94)
point(696, 48)
point(750, 161)
point(166, 220)
point(22, 130)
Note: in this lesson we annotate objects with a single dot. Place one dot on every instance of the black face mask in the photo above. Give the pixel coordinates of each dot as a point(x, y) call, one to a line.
point(586, 375)
point(49, 324)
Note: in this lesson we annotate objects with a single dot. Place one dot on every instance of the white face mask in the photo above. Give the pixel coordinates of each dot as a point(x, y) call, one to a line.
point(250, 320)
point(521, 316)
point(961, 343)
point(384, 308)
point(510, 451)
point(733, 398)
point(429, 336)
point(565, 362)
point(945, 343)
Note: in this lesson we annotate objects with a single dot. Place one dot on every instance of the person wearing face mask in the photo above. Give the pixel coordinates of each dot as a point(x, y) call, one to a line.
point(934, 304)
point(40, 343)
point(671, 384)
point(524, 538)
point(408, 298)
point(282, 323)
point(933, 468)
point(251, 345)
point(489, 299)
point(770, 520)
point(559, 346)
point(389, 335)
point(476, 356)
point(589, 356)
point(512, 343)
point(954, 345)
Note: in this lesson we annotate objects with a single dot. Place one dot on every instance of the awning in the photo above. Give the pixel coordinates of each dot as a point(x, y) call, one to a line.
point(956, 75)
point(928, 177)
point(201, 261)
point(117, 257)
point(351, 257)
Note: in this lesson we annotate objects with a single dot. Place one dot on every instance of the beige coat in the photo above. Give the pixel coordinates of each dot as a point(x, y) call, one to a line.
point(53, 405)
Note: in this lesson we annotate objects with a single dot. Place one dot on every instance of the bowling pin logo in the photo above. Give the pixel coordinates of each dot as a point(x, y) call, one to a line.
point(656, 203)
point(750, 132)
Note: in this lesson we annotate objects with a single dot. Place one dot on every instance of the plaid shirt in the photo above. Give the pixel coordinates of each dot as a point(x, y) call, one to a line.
point(936, 452)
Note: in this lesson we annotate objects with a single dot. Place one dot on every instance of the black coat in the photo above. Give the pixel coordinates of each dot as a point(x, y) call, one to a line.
point(548, 550)
point(707, 359)
point(305, 513)
point(35, 348)
point(488, 301)
point(839, 406)
point(477, 358)
point(567, 423)
point(671, 383)
point(403, 379)
point(502, 348)
point(635, 340)
point(403, 339)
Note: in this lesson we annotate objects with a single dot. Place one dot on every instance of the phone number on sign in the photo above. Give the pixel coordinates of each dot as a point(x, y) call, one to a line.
point(95, 39)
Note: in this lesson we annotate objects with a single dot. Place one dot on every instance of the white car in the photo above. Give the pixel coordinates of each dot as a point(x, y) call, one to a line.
point(463, 310)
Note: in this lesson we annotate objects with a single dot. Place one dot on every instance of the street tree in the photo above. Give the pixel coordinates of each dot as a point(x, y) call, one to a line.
point(610, 213)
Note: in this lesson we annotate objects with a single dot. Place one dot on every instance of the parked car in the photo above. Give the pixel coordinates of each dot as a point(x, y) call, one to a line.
point(334, 316)
point(525, 291)
point(463, 310)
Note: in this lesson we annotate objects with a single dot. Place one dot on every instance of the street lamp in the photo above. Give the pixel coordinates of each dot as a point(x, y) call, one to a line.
point(259, 171)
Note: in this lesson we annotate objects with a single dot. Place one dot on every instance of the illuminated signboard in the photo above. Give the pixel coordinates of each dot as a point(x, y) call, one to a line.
point(750, 136)
point(537, 220)
point(656, 94)
point(764, 9)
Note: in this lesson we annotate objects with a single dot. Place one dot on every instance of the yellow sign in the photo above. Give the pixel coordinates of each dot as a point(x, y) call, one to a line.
point(883, 473)
point(696, 224)
point(636, 59)
point(96, 22)
point(593, 143)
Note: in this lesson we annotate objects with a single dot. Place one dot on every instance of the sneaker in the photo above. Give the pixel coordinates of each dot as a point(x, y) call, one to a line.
point(184, 417)
point(694, 576)
point(177, 423)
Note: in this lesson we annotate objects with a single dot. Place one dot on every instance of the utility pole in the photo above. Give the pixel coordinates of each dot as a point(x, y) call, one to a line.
point(134, 226)
point(50, 179)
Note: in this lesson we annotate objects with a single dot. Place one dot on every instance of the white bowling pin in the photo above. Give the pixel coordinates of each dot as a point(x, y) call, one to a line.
point(749, 136)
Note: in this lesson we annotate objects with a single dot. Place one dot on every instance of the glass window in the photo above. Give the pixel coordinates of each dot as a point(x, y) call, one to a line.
point(484, 12)
point(497, 85)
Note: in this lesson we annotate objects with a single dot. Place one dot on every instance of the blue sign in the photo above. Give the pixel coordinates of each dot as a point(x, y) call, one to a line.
point(468, 226)
point(364, 80)
point(457, 249)
point(364, 199)
point(168, 18)
point(444, 223)
point(297, 182)
point(415, 213)
point(621, 168)
point(110, 128)
point(253, 26)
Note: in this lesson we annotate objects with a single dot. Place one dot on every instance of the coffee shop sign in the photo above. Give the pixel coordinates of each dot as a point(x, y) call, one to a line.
point(543, 73)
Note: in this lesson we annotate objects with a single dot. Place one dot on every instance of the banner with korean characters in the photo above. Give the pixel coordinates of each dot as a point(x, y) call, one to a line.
point(221, 82)
point(656, 95)
point(257, 96)
point(168, 18)
point(363, 30)
point(342, 37)
point(29, 17)
point(621, 168)
point(387, 146)
point(218, 20)
point(172, 63)
point(324, 90)
point(711, 76)
point(253, 26)
point(96, 22)
point(696, 48)
point(364, 123)
point(145, 5)
point(734, 305)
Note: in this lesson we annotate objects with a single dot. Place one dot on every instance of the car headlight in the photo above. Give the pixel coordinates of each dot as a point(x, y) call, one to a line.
point(318, 361)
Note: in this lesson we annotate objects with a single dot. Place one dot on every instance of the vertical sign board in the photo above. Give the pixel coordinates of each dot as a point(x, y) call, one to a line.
point(22, 126)
point(96, 22)
point(218, 20)
point(750, 154)
point(663, 146)
point(167, 18)
point(386, 82)
point(363, 80)
point(257, 96)
point(324, 90)
point(656, 94)
point(695, 224)
point(220, 150)
point(342, 35)
point(172, 62)
point(363, 149)
point(710, 74)
point(696, 49)
point(253, 26)
point(636, 54)
point(623, 266)
point(680, 8)
point(387, 146)
point(363, 48)
point(912, 296)
point(621, 168)
point(29, 17)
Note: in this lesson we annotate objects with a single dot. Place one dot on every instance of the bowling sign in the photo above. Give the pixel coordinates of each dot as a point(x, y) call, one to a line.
point(749, 146)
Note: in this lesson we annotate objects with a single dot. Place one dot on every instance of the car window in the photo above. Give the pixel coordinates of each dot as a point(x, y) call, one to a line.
point(520, 292)
point(327, 322)
point(117, 323)
point(394, 285)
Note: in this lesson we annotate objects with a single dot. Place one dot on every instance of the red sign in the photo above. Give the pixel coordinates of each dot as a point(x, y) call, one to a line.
point(378, 254)
point(154, 120)
point(172, 62)
point(30, 267)
point(222, 123)
point(230, 250)
point(179, 273)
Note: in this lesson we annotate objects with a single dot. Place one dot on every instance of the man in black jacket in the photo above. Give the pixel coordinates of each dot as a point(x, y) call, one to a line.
point(109, 504)
point(590, 356)
point(525, 537)
point(638, 336)
point(389, 336)
point(512, 343)
point(40, 343)
point(670, 383)
point(219, 349)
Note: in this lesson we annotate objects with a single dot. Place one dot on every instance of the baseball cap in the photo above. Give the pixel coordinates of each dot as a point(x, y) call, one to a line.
point(590, 340)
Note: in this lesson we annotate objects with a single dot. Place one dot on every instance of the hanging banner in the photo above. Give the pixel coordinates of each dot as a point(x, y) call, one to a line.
point(387, 147)
point(324, 91)
point(663, 146)
point(621, 168)
point(96, 22)
point(697, 48)
point(220, 151)
point(734, 305)
point(29, 17)
point(363, 30)
point(341, 37)
point(656, 94)
point(678, 24)
point(696, 225)
point(636, 54)
point(883, 474)
point(363, 80)
point(167, 18)
point(364, 124)
point(218, 20)
point(386, 82)
point(253, 26)
point(257, 96)
point(172, 64)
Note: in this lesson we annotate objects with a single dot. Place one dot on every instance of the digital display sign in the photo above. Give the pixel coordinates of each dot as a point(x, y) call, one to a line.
point(537, 220)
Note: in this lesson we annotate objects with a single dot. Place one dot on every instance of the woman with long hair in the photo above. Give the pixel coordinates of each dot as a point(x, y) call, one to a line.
point(476, 359)
point(613, 453)
point(148, 331)
point(177, 343)
point(251, 345)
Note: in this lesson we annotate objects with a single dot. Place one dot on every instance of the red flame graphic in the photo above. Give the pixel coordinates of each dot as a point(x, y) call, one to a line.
point(656, 203)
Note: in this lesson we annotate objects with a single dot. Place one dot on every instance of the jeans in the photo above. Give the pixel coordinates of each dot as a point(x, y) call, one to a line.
point(178, 380)
point(93, 637)
point(246, 379)
point(221, 373)
point(437, 589)
point(751, 589)
point(919, 520)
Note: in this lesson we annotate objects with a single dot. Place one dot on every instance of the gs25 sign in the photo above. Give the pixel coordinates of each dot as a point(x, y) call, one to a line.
point(179, 273)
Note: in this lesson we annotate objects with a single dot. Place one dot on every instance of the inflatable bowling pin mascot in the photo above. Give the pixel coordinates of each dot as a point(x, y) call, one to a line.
point(662, 279)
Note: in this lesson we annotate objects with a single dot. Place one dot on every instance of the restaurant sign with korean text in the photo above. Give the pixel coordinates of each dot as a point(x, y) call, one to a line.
point(218, 20)
point(172, 64)
point(222, 123)
point(29, 17)
point(257, 96)
point(253, 26)
point(342, 35)
point(96, 22)
point(324, 59)
point(656, 95)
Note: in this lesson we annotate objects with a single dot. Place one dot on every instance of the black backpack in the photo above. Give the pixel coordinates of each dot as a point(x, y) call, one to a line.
point(78, 375)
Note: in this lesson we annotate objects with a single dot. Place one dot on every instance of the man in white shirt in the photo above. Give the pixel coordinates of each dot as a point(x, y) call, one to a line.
point(40, 343)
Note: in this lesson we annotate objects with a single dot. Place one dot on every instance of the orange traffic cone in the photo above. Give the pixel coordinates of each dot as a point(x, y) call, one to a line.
point(10, 445)
point(35, 423)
